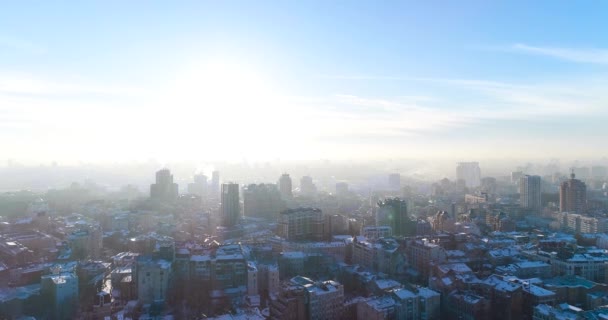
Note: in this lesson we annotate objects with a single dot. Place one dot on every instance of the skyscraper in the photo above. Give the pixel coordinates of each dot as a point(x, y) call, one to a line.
point(307, 188)
point(199, 186)
point(572, 195)
point(529, 193)
point(230, 207)
point(164, 189)
point(470, 173)
point(393, 212)
point(285, 185)
point(262, 201)
point(215, 182)
point(394, 181)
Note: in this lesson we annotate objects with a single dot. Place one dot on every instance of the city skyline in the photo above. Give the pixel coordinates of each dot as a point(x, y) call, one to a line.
point(106, 82)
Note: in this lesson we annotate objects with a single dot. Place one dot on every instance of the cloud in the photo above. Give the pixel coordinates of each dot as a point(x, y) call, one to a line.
point(594, 56)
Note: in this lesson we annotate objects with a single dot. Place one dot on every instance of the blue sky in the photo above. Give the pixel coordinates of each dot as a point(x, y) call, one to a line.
point(119, 81)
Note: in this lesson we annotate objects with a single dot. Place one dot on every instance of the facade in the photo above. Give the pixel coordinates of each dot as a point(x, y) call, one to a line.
point(230, 206)
point(529, 193)
point(307, 187)
point(470, 173)
point(301, 224)
point(393, 212)
point(262, 201)
point(285, 186)
point(61, 290)
point(215, 182)
point(372, 232)
point(572, 195)
point(394, 181)
point(164, 189)
point(199, 186)
point(423, 254)
point(152, 278)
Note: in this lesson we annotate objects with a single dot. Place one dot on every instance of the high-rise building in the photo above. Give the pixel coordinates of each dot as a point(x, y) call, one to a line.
point(262, 201)
point(394, 181)
point(470, 173)
point(230, 206)
point(572, 195)
point(307, 188)
point(285, 185)
point(529, 193)
point(215, 182)
point(302, 224)
point(341, 188)
point(199, 186)
point(164, 189)
point(392, 212)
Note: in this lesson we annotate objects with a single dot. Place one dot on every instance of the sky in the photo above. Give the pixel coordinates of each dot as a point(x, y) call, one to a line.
point(112, 81)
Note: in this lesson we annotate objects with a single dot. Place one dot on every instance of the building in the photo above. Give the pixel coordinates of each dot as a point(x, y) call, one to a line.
point(152, 279)
point(60, 291)
point(289, 303)
point(307, 187)
point(373, 232)
point(230, 206)
point(301, 224)
point(215, 182)
point(393, 212)
point(529, 193)
point(262, 201)
point(341, 189)
point(470, 173)
point(423, 254)
point(394, 181)
point(572, 195)
point(86, 242)
point(418, 303)
point(199, 186)
point(164, 189)
point(285, 186)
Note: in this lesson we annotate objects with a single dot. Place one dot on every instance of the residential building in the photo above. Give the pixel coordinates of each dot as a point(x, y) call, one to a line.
point(572, 195)
point(230, 205)
point(530, 193)
point(164, 189)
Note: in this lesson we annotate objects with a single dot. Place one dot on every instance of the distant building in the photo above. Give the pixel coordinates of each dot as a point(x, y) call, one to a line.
point(60, 291)
point(302, 224)
point(394, 181)
point(285, 186)
point(307, 187)
point(530, 193)
point(164, 189)
point(393, 212)
point(572, 195)
point(341, 188)
point(470, 173)
point(230, 206)
point(215, 182)
point(262, 201)
point(199, 186)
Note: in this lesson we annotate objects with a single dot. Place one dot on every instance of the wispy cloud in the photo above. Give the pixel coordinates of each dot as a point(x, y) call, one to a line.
point(590, 55)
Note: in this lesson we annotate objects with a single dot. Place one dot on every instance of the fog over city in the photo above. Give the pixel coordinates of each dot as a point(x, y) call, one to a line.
point(303, 160)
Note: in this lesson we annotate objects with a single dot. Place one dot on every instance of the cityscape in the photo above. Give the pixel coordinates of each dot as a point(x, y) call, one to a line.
point(303, 160)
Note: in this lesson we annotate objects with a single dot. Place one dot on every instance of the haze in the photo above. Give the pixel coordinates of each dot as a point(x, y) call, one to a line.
point(106, 82)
